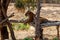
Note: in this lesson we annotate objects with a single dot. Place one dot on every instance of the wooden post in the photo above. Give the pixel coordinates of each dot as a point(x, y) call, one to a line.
point(38, 27)
point(57, 31)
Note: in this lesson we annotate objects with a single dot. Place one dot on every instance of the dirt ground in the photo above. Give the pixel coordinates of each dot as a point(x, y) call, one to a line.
point(51, 13)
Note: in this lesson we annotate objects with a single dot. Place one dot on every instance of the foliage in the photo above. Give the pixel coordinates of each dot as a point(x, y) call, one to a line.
point(31, 3)
point(55, 38)
point(27, 38)
point(20, 26)
point(25, 3)
point(19, 4)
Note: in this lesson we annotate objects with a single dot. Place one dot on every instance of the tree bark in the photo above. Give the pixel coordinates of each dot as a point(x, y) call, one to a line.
point(3, 29)
point(38, 27)
point(4, 33)
point(3, 15)
point(57, 27)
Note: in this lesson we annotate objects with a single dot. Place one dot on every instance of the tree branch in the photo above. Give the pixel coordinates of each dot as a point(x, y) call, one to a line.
point(51, 23)
point(7, 18)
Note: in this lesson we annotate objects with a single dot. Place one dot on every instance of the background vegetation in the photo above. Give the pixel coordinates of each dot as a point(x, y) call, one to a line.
point(20, 26)
point(31, 4)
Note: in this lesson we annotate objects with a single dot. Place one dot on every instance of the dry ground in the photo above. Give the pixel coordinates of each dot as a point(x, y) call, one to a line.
point(51, 13)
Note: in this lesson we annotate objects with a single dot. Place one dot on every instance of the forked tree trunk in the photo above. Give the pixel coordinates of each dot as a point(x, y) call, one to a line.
point(39, 30)
point(3, 15)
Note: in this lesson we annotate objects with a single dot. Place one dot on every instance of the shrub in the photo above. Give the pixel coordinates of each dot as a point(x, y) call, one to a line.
point(55, 38)
point(20, 26)
point(27, 38)
point(19, 4)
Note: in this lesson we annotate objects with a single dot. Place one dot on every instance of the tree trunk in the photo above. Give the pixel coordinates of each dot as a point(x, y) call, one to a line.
point(39, 30)
point(3, 15)
point(3, 29)
point(57, 31)
point(4, 33)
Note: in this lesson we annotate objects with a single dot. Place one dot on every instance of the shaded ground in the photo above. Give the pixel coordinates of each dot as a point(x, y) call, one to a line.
point(51, 13)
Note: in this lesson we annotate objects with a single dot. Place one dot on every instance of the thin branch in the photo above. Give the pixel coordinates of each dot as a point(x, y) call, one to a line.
point(7, 18)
